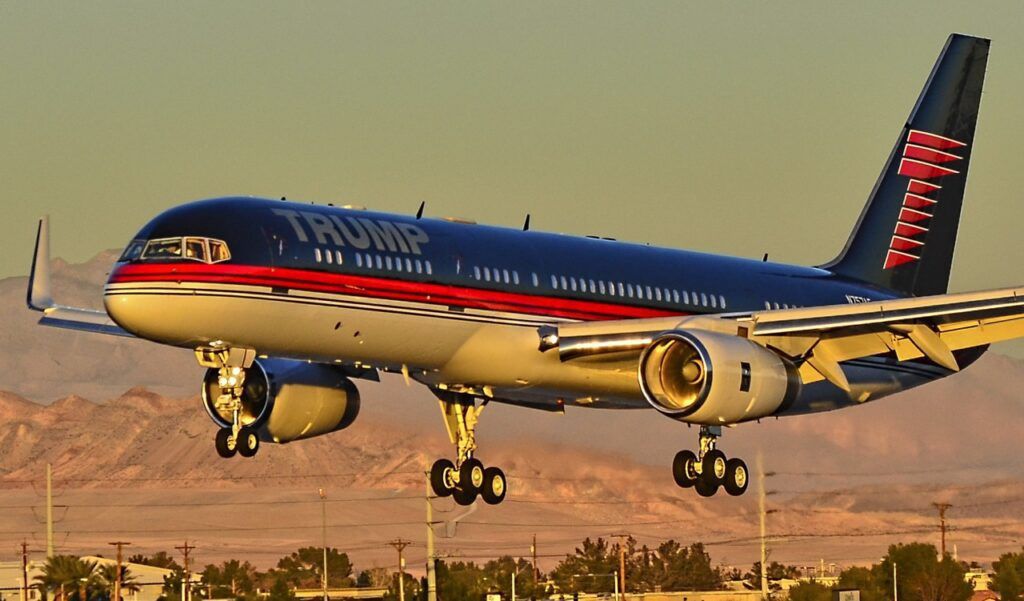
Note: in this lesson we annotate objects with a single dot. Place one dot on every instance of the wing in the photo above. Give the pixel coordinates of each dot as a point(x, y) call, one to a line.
point(40, 297)
point(818, 339)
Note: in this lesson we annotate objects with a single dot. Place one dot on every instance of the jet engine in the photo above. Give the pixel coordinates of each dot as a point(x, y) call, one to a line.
point(711, 378)
point(286, 400)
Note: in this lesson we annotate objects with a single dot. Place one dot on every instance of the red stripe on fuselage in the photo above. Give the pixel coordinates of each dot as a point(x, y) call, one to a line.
point(378, 287)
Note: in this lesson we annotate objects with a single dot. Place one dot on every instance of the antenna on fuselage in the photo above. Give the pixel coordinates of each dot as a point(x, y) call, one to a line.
point(419, 212)
point(526, 224)
point(764, 259)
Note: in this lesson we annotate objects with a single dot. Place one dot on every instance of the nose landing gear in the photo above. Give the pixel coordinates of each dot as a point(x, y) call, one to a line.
point(710, 469)
point(466, 477)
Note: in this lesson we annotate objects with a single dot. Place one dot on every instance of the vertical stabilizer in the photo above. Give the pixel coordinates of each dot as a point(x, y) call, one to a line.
point(905, 236)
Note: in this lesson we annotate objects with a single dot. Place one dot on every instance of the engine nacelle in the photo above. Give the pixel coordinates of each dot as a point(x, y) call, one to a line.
point(710, 378)
point(288, 400)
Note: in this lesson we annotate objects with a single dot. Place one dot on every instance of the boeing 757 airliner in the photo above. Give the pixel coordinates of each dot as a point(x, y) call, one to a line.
point(287, 303)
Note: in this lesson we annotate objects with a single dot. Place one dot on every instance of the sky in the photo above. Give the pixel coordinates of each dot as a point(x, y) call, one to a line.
point(738, 128)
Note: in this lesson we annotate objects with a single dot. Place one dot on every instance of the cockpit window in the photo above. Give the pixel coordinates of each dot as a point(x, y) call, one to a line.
point(195, 249)
point(164, 248)
point(204, 250)
point(133, 250)
point(218, 251)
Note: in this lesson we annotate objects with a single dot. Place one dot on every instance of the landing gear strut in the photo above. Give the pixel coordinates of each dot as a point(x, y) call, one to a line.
point(232, 367)
point(709, 469)
point(466, 477)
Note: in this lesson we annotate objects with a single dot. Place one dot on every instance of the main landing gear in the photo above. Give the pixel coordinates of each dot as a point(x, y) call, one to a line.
point(466, 477)
point(710, 470)
point(236, 438)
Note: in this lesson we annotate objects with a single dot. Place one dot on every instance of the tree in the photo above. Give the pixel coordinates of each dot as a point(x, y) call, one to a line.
point(279, 591)
point(1009, 576)
point(810, 591)
point(594, 557)
point(673, 567)
point(304, 568)
point(70, 578)
point(921, 576)
point(107, 577)
point(775, 571)
point(866, 580)
point(157, 560)
point(231, 578)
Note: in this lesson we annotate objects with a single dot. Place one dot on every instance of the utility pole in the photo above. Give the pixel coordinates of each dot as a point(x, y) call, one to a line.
point(895, 594)
point(942, 507)
point(431, 576)
point(117, 579)
point(24, 571)
point(622, 561)
point(763, 513)
point(400, 546)
point(323, 525)
point(186, 583)
point(49, 511)
point(533, 551)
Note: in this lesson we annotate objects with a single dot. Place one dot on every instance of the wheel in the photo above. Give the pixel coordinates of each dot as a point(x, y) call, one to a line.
point(705, 488)
point(683, 469)
point(463, 496)
point(471, 475)
point(495, 486)
point(248, 442)
point(736, 477)
point(712, 466)
point(224, 443)
point(441, 477)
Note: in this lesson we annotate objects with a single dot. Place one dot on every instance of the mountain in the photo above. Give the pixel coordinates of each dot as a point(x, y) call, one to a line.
point(140, 465)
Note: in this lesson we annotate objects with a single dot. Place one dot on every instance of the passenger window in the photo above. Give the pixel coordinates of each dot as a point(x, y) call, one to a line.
point(380, 264)
point(622, 289)
point(515, 278)
point(476, 273)
point(629, 290)
point(657, 293)
point(329, 257)
point(536, 280)
point(703, 299)
point(721, 301)
point(495, 274)
point(430, 269)
point(601, 285)
point(487, 275)
point(714, 302)
point(387, 261)
point(219, 251)
point(554, 282)
point(686, 297)
point(675, 296)
point(565, 285)
point(316, 253)
point(408, 265)
point(593, 288)
point(572, 284)
point(359, 260)
point(649, 295)
point(419, 266)
point(338, 258)
point(504, 273)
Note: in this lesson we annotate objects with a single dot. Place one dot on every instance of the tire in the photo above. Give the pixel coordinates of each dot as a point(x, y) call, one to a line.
point(712, 467)
point(495, 486)
point(464, 497)
point(705, 488)
point(683, 469)
point(737, 477)
point(226, 448)
point(471, 475)
point(441, 477)
point(248, 442)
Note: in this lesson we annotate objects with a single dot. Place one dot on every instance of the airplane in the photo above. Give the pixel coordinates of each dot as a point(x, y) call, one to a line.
point(287, 303)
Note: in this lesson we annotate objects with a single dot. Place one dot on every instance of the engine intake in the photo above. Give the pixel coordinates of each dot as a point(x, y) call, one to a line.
point(287, 400)
point(705, 377)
